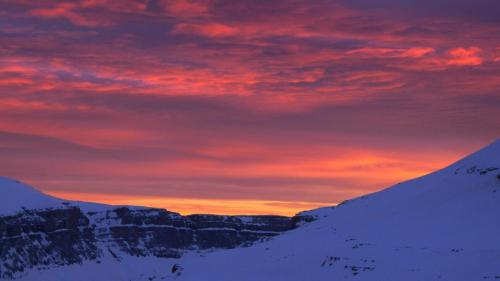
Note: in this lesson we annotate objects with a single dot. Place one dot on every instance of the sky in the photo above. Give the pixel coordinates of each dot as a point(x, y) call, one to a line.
point(242, 107)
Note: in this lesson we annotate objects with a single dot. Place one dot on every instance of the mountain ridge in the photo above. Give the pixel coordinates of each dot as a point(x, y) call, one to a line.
point(41, 232)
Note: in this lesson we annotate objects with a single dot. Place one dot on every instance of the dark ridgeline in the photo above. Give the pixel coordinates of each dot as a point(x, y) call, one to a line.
point(55, 237)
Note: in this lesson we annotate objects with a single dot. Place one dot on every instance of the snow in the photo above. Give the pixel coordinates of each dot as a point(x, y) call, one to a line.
point(15, 196)
point(442, 226)
point(128, 268)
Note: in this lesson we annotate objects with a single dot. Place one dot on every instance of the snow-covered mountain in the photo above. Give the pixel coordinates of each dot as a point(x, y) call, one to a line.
point(443, 226)
point(45, 236)
point(16, 196)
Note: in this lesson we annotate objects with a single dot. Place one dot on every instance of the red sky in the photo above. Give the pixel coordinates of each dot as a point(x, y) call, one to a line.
point(242, 106)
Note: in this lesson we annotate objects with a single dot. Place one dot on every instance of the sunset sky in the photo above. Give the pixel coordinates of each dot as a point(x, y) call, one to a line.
point(255, 107)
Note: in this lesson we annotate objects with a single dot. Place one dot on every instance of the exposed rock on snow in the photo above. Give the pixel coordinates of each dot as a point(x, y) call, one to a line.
point(39, 231)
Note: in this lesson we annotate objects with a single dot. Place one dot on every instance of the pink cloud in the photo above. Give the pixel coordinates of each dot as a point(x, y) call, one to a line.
point(68, 11)
point(186, 8)
point(83, 13)
point(371, 52)
point(496, 54)
point(207, 29)
point(417, 52)
point(465, 56)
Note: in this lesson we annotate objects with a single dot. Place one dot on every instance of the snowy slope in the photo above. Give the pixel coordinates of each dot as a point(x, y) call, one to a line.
point(129, 268)
point(443, 226)
point(15, 196)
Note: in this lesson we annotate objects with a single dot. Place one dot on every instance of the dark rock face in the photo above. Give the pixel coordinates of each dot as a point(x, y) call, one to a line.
point(55, 237)
point(50, 237)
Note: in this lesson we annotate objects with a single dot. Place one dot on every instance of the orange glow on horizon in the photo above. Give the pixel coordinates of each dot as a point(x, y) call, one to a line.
point(187, 206)
point(381, 178)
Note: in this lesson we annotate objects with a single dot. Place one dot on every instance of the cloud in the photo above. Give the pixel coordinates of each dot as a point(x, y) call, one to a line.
point(269, 101)
point(185, 8)
point(483, 11)
point(417, 52)
point(209, 30)
point(412, 52)
point(68, 11)
point(465, 56)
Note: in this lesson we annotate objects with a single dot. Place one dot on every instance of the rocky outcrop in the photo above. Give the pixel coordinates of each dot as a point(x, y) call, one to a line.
point(55, 237)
